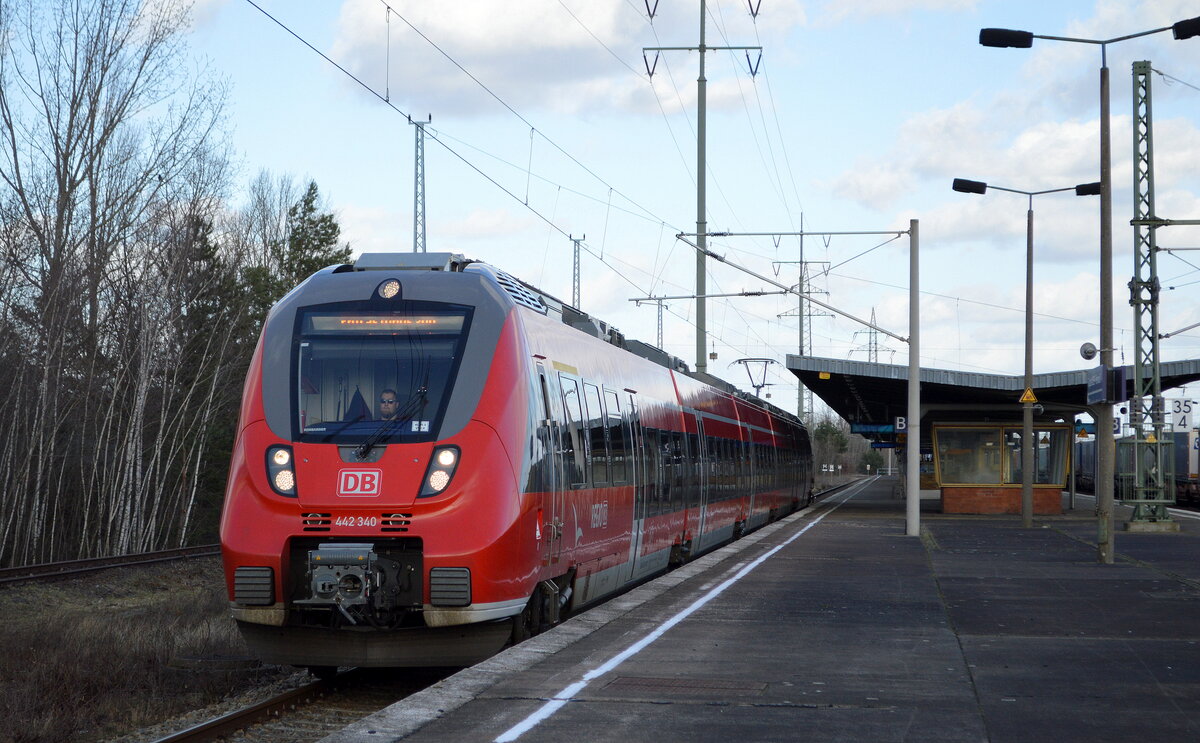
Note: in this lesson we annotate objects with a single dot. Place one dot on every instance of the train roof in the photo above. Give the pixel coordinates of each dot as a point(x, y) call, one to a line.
point(529, 296)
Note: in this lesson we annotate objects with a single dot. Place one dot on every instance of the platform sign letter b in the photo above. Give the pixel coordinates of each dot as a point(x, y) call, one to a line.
point(901, 424)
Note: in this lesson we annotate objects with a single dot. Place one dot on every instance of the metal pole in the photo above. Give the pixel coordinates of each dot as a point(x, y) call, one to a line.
point(419, 188)
point(800, 317)
point(1027, 449)
point(575, 291)
point(701, 219)
point(1071, 475)
point(912, 444)
point(660, 338)
point(1105, 444)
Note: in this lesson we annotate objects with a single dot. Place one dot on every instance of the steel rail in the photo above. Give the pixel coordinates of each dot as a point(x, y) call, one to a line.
point(240, 719)
point(50, 570)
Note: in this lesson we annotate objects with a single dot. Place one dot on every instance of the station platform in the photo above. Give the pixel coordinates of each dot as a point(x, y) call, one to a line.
point(832, 624)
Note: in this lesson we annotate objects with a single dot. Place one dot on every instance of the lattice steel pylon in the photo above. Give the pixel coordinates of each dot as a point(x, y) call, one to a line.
point(1153, 487)
point(419, 187)
point(575, 281)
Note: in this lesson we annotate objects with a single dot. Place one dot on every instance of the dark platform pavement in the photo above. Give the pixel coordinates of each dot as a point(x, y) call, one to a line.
point(834, 625)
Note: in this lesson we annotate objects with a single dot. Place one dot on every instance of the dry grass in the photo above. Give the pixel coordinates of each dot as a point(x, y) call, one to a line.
point(96, 657)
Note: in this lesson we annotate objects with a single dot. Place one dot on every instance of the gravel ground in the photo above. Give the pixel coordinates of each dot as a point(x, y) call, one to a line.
point(233, 702)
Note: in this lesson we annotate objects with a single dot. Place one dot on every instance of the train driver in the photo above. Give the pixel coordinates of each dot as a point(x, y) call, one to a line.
point(389, 405)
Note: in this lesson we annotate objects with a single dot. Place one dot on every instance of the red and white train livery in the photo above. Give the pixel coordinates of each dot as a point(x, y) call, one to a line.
point(531, 461)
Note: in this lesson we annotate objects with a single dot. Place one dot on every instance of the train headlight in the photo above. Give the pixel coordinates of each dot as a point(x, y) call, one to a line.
point(441, 470)
point(438, 480)
point(389, 289)
point(284, 481)
point(279, 470)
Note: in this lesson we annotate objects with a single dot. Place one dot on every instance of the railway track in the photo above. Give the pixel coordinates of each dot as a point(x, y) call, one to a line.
point(315, 710)
point(52, 570)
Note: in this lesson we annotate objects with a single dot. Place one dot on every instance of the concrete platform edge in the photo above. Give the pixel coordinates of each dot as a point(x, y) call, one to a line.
point(411, 714)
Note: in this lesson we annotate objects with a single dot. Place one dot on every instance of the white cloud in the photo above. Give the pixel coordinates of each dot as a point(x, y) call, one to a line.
point(374, 230)
point(877, 186)
point(530, 54)
point(488, 224)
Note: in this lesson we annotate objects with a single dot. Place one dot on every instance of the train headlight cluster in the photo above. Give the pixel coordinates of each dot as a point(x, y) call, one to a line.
point(389, 289)
point(280, 472)
point(441, 470)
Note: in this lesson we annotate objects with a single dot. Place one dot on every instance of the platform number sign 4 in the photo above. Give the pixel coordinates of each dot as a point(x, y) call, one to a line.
point(1181, 414)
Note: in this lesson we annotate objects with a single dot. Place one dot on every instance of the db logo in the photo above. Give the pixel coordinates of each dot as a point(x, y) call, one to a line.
point(359, 483)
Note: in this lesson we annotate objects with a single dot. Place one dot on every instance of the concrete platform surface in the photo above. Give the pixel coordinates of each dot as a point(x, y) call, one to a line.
point(832, 625)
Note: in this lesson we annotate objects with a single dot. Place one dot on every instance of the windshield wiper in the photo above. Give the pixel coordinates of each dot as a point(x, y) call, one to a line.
point(415, 404)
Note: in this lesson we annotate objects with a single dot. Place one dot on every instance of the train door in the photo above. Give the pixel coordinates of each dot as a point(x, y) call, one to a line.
point(637, 476)
point(700, 456)
point(550, 435)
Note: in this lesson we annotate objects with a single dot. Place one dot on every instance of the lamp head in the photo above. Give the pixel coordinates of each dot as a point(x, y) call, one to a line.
point(963, 185)
point(1088, 189)
point(1186, 29)
point(1004, 37)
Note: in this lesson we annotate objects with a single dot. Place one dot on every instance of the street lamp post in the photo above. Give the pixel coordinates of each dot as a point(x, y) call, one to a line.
point(1027, 461)
point(1105, 444)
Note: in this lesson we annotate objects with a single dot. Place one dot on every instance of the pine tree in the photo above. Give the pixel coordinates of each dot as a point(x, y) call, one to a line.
point(310, 244)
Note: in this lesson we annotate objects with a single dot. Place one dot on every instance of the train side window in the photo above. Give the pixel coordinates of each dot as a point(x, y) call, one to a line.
point(756, 464)
point(711, 468)
point(573, 445)
point(678, 474)
point(726, 457)
point(654, 471)
point(617, 439)
point(745, 467)
point(636, 451)
point(695, 460)
point(598, 447)
point(545, 389)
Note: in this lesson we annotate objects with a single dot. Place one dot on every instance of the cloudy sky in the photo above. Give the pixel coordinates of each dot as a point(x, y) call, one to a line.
point(546, 126)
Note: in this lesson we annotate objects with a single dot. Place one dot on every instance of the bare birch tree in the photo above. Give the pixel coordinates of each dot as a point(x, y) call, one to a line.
point(99, 122)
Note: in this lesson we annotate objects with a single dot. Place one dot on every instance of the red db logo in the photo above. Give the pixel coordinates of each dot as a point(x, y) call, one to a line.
point(359, 483)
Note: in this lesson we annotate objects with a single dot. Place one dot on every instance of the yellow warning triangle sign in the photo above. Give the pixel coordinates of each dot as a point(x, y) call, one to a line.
point(1028, 396)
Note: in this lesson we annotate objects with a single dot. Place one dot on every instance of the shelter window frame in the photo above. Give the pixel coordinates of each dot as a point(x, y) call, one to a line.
point(983, 455)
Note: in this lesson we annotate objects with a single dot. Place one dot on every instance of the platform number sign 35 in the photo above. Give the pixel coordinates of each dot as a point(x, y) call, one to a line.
point(1181, 414)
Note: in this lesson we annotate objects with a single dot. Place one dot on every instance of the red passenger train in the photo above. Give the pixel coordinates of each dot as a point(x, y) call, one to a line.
point(435, 459)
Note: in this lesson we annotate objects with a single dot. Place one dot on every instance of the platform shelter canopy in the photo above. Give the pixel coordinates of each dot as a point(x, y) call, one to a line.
point(863, 392)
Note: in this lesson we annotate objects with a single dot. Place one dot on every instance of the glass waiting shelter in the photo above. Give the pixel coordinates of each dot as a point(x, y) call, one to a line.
point(972, 455)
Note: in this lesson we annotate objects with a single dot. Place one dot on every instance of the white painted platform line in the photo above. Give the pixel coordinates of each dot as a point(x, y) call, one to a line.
point(564, 696)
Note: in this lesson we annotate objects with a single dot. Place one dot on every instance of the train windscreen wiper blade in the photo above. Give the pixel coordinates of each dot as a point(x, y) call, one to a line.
point(412, 406)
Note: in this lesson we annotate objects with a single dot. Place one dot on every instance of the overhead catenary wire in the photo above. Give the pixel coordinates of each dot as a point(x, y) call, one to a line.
point(439, 137)
point(770, 164)
point(507, 106)
point(451, 150)
point(1172, 79)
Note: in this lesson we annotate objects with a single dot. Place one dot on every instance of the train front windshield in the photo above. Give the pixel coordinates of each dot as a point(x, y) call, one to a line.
point(379, 376)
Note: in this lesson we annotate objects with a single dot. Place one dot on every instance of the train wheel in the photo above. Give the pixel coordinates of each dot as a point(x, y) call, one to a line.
point(525, 624)
point(539, 615)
